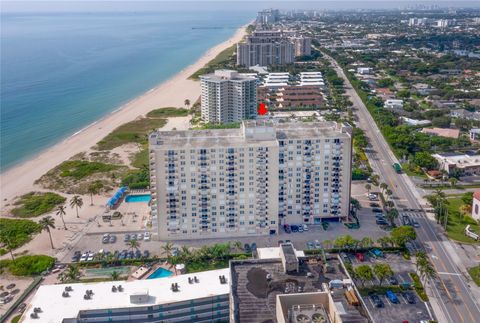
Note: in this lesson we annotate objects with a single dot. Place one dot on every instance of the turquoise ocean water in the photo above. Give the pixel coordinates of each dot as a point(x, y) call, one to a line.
point(62, 71)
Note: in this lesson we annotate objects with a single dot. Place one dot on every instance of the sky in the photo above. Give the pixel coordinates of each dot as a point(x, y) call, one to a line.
point(128, 5)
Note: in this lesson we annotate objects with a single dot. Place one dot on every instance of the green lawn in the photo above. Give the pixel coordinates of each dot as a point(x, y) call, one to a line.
point(456, 224)
point(27, 265)
point(168, 112)
point(132, 132)
point(36, 203)
point(16, 319)
point(475, 273)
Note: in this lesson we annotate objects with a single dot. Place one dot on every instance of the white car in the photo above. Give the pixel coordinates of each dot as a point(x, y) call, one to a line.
point(305, 227)
point(84, 257)
point(147, 236)
point(90, 256)
point(140, 236)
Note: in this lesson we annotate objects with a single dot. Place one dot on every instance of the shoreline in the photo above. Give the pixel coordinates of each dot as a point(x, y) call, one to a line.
point(20, 179)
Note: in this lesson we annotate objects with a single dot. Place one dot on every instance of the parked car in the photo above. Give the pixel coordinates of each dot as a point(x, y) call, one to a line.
point(392, 297)
point(140, 236)
point(305, 227)
point(300, 228)
point(133, 236)
point(376, 300)
point(75, 258)
point(381, 222)
point(138, 254)
point(288, 241)
point(360, 256)
point(409, 297)
point(310, 245)
point(377, 210)
point(113, 239)
point(126, 237)
point(392, 280)
point(146, 253)
point(373, 204)
point(84, 257)
point(105, 239)
point(294, 228)
point(90, 256)
point(247, 248)
point(415, 223)
point(253, 246)
point(287, 228)
point(345, 257)
point(318, 245)
point(147, 236)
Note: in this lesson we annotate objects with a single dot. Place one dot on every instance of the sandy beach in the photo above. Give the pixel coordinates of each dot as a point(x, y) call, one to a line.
point(173, 92)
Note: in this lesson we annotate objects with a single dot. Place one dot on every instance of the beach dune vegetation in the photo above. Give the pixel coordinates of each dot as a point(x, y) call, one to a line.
point(36, 203)
point(29, 265)
point(16, 233)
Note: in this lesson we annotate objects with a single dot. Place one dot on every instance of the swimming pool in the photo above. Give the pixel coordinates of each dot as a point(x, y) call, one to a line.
point(138, 198)
point(160, 273)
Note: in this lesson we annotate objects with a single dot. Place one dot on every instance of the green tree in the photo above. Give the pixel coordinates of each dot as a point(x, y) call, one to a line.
point(115, 275)
point(368, 187)
point(383, 186)
point(71, 274)
point(93, 189)
point(327, 244)
point(402, 235)
point(133, 244)
point(61, 213)
point(425, 160)
point(187, 102)
point(384, 241)
point(366, 242)
point(167, 249)
point(467, 198)
point(382, 271)
point(76, 202)
point(47, 223)
point(391, 216)
point(424, 266)
point(345, 242)
point(363, 273)
point(375, 178)
point(453, 181)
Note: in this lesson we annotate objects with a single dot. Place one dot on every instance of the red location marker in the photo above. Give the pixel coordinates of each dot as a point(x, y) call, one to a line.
point(262, 109)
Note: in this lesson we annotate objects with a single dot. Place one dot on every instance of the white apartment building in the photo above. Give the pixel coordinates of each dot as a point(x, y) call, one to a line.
point(228, 96)
point(199, 297)
point(247, 181)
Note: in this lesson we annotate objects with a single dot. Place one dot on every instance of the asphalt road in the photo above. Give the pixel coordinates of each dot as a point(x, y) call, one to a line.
point(453, 297)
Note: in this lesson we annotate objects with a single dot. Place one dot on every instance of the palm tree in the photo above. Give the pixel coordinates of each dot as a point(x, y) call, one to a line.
point(76, 202)
point(453, 181)
point(391, 216)
point(375, 178)
point(424, 266)
point(388, 192)
point(94, 189)
point(71, 274)
point(389, 204)
point(133, 244)
point(46, 223)
point(61, 213)
point(383, 186)
point(368, 187)
point(187, 102)
point(238, 245)
point(384, 241)
point(8, 244)
point(167, 249)
point(115, 275)
point(366, 242)
point(327, 244)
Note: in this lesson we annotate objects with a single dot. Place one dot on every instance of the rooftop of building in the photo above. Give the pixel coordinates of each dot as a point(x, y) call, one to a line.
point(453, 158)
point(254, 294)
point(230, 75)
point(442, 132)
point(251, 130)
point(54, 307)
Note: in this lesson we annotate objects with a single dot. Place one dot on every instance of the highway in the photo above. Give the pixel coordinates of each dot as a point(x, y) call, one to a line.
point(450, 296)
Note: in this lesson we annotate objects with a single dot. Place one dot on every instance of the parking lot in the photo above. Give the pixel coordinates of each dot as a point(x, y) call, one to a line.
point(392, 312)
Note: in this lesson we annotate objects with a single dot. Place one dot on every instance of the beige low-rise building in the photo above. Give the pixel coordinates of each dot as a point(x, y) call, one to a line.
point(247, 181)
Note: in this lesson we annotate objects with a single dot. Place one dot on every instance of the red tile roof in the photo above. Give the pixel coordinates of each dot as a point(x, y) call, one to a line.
point(476, 195)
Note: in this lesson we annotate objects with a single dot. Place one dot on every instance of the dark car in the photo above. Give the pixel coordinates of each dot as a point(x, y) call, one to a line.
point(254, 246)
point(373, 204)
point(138, 254)
point(409, 297)
point(294, 228)
point(381, 222)
point(76, 258)
point(376, 300)
point(146, 253)
point(287, 228)
point(392, 280)
point(247, 248)
point(376, 210)
point(112, 239)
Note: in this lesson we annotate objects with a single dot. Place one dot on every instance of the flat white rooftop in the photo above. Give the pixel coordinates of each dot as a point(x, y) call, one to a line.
point(55, 307)
point(274, 253)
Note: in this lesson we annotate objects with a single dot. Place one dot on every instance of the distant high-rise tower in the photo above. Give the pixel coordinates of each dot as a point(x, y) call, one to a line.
point(228, 97)
point(268, 16)
point(265, 48)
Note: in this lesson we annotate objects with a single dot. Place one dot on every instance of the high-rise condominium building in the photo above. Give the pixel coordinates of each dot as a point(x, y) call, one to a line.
point(247, 181)
point(228, 96)
point(303, 45)
point(268, 16)
point(265, 48)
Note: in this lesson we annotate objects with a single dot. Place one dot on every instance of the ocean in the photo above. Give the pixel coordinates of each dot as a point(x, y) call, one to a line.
point(61, 71)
